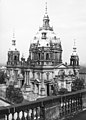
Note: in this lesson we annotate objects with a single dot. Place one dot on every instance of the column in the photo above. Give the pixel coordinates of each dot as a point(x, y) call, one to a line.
point(50, 92)
point(38, 90)
point(16, 71)
point(25, 82)
point(28, 88)
point(33, 74)
point(42, 80)
point(42, 85)
point(52, 74)
point(29, 78)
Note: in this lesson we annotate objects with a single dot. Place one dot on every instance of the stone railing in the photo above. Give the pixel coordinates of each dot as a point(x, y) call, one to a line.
point(49, 108)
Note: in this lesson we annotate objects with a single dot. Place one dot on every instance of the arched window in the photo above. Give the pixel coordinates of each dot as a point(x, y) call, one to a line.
point(47, 56)
point(39, 56)
point(15, 58)
point(44, 35)
point(42, 56)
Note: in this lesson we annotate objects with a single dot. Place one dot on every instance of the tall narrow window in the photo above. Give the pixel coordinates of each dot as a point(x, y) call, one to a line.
point(39, 55)
point(44, 35)
point(47, 75)
point(47, 56)
point(42, 56)
point(15, 58)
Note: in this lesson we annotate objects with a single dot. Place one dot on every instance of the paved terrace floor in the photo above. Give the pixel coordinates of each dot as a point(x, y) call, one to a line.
point(79, 116)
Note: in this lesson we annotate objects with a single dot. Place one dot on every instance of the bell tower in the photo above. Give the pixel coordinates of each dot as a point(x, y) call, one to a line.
point(74, 60)
point(13, 54)
point(45, 49)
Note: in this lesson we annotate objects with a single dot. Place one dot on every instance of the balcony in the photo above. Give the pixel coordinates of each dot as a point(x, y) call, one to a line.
point(49, 108)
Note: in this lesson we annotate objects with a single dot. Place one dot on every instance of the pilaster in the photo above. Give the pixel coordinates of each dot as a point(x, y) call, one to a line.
point(42, 85)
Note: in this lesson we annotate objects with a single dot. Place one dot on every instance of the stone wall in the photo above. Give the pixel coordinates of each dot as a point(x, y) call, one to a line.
point(52, 111)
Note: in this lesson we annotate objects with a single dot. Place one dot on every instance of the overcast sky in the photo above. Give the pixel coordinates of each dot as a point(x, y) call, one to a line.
point(68, 18)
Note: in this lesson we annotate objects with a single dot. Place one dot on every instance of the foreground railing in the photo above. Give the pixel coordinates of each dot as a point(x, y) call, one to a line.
point(50, 108)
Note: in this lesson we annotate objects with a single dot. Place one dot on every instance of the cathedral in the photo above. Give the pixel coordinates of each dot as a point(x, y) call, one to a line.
point(44, 66)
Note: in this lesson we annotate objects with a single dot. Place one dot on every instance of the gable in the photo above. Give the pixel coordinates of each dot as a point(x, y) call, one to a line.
point(61, 66)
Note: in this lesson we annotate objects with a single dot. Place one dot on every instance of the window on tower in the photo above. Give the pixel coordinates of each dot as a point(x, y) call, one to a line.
point(47, 56)
point(15, 58)
point(39, 56)
point(44, 35)
point(42, 56)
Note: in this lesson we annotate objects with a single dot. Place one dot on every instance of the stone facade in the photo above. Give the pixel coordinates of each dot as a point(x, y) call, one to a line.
point(44, 64)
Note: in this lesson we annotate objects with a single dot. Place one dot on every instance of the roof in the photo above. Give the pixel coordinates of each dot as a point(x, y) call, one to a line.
point(62, 65)
point(46, 36)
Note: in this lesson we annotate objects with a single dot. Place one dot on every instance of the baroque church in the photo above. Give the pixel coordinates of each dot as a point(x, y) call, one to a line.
point(44, 66)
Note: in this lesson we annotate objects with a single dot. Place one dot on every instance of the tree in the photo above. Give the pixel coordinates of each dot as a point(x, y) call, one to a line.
point(55, 89)
point(2, 77)
point(77, 84)
point(14, 94)
point(63, 91)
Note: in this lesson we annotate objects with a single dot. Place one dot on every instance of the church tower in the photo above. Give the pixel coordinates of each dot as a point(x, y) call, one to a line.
point(45, 54)
point(13, 54)
point(46, 47)
point(74, 60)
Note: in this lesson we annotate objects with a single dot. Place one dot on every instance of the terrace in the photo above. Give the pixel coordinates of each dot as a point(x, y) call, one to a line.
point(49, 108)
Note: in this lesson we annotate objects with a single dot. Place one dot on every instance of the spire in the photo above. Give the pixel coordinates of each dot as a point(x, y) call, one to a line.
point(74, 60)
point(46, 20)
point(46, 8)
point(13, 33)
point(46, 15)
point(74, 47)
point(13, 40)
point(22, 55)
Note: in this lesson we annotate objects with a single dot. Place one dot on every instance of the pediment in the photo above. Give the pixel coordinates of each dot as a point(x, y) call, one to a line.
point(61, 66)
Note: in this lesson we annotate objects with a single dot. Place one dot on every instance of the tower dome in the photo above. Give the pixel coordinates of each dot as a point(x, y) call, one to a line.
point(13, 53)
point(74, 60)
point(46, 46)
